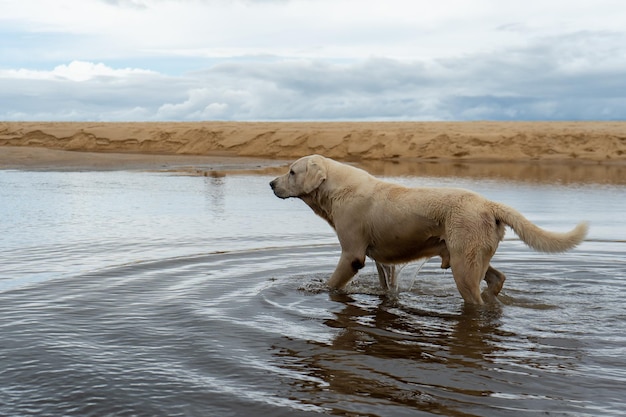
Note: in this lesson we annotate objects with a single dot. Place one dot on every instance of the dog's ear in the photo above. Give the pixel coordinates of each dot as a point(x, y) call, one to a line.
point(315, 174)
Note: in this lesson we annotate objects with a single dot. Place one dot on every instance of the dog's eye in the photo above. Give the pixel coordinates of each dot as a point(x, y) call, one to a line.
point(291, 172)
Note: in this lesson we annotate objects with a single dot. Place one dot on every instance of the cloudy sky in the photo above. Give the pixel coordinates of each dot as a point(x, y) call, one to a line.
point(184, 60)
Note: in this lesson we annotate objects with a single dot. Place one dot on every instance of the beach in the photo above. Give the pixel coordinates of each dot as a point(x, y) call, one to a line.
point(579, 142)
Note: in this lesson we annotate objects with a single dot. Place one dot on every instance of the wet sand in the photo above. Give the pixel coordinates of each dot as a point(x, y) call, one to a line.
point(44, 159)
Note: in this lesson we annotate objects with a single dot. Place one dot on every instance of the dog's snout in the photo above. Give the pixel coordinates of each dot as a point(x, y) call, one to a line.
point(273, 184)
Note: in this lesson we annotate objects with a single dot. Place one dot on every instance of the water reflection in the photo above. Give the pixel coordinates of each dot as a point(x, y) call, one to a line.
point(442, 357)
point(383, 326)
point(540, 173)
point(389, 353)
point(216, 195)
point(556, 172)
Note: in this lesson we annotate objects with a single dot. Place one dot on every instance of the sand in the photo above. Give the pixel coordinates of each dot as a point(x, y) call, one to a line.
point(245, 145)
point(499, 141)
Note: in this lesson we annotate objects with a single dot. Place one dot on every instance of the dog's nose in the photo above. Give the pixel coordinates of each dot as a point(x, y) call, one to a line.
point(273, 184)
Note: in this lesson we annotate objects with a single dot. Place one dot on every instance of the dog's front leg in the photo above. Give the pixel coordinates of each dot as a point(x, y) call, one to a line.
point(347, 268)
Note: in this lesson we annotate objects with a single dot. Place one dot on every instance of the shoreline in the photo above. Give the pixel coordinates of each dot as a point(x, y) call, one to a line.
point(518, 151)
point(45, 159)
point(563, 172)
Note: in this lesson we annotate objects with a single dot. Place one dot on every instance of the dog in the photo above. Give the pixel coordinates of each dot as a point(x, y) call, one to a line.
point(393, 224)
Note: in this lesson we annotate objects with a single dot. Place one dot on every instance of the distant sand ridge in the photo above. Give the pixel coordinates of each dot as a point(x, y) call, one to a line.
point(479, 141)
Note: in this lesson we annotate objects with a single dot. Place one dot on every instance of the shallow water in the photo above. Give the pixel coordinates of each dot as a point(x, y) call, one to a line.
point(125, 293)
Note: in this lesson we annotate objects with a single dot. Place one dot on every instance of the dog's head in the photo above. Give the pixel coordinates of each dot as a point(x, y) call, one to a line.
point(304, 176)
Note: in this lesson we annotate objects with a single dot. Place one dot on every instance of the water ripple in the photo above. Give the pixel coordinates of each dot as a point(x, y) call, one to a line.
point(255, 330)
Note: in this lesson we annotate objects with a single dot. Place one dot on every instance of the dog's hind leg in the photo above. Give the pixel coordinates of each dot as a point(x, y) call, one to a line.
point(472, 242)
point(469, 268)
point(467, 279)
point(495, 281)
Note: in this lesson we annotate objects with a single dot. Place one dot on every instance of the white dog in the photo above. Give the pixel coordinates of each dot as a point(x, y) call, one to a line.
point(393, 224)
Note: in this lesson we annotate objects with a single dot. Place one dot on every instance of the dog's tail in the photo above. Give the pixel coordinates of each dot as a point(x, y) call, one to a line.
point(536, 237)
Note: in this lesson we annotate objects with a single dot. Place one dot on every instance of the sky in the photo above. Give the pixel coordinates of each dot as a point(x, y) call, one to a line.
point(284, 60)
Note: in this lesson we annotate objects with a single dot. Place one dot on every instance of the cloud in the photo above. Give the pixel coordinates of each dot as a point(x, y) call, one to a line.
point(81, 91)
point(578, 75)
point(308, 29)
point(75, 71)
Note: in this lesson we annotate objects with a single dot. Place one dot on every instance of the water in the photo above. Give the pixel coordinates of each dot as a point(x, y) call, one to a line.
point(148, 294)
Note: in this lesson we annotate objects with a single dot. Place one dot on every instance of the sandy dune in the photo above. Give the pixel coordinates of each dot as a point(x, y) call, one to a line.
point(437, 141)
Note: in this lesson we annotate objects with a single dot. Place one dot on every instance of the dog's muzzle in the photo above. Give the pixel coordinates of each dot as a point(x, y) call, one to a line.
point(273, 185)
point(277, 192)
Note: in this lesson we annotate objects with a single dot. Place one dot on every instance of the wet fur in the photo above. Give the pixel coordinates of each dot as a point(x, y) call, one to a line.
point(394, 224)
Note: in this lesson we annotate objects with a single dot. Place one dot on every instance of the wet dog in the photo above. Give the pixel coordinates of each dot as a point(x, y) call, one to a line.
point(393, 224)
